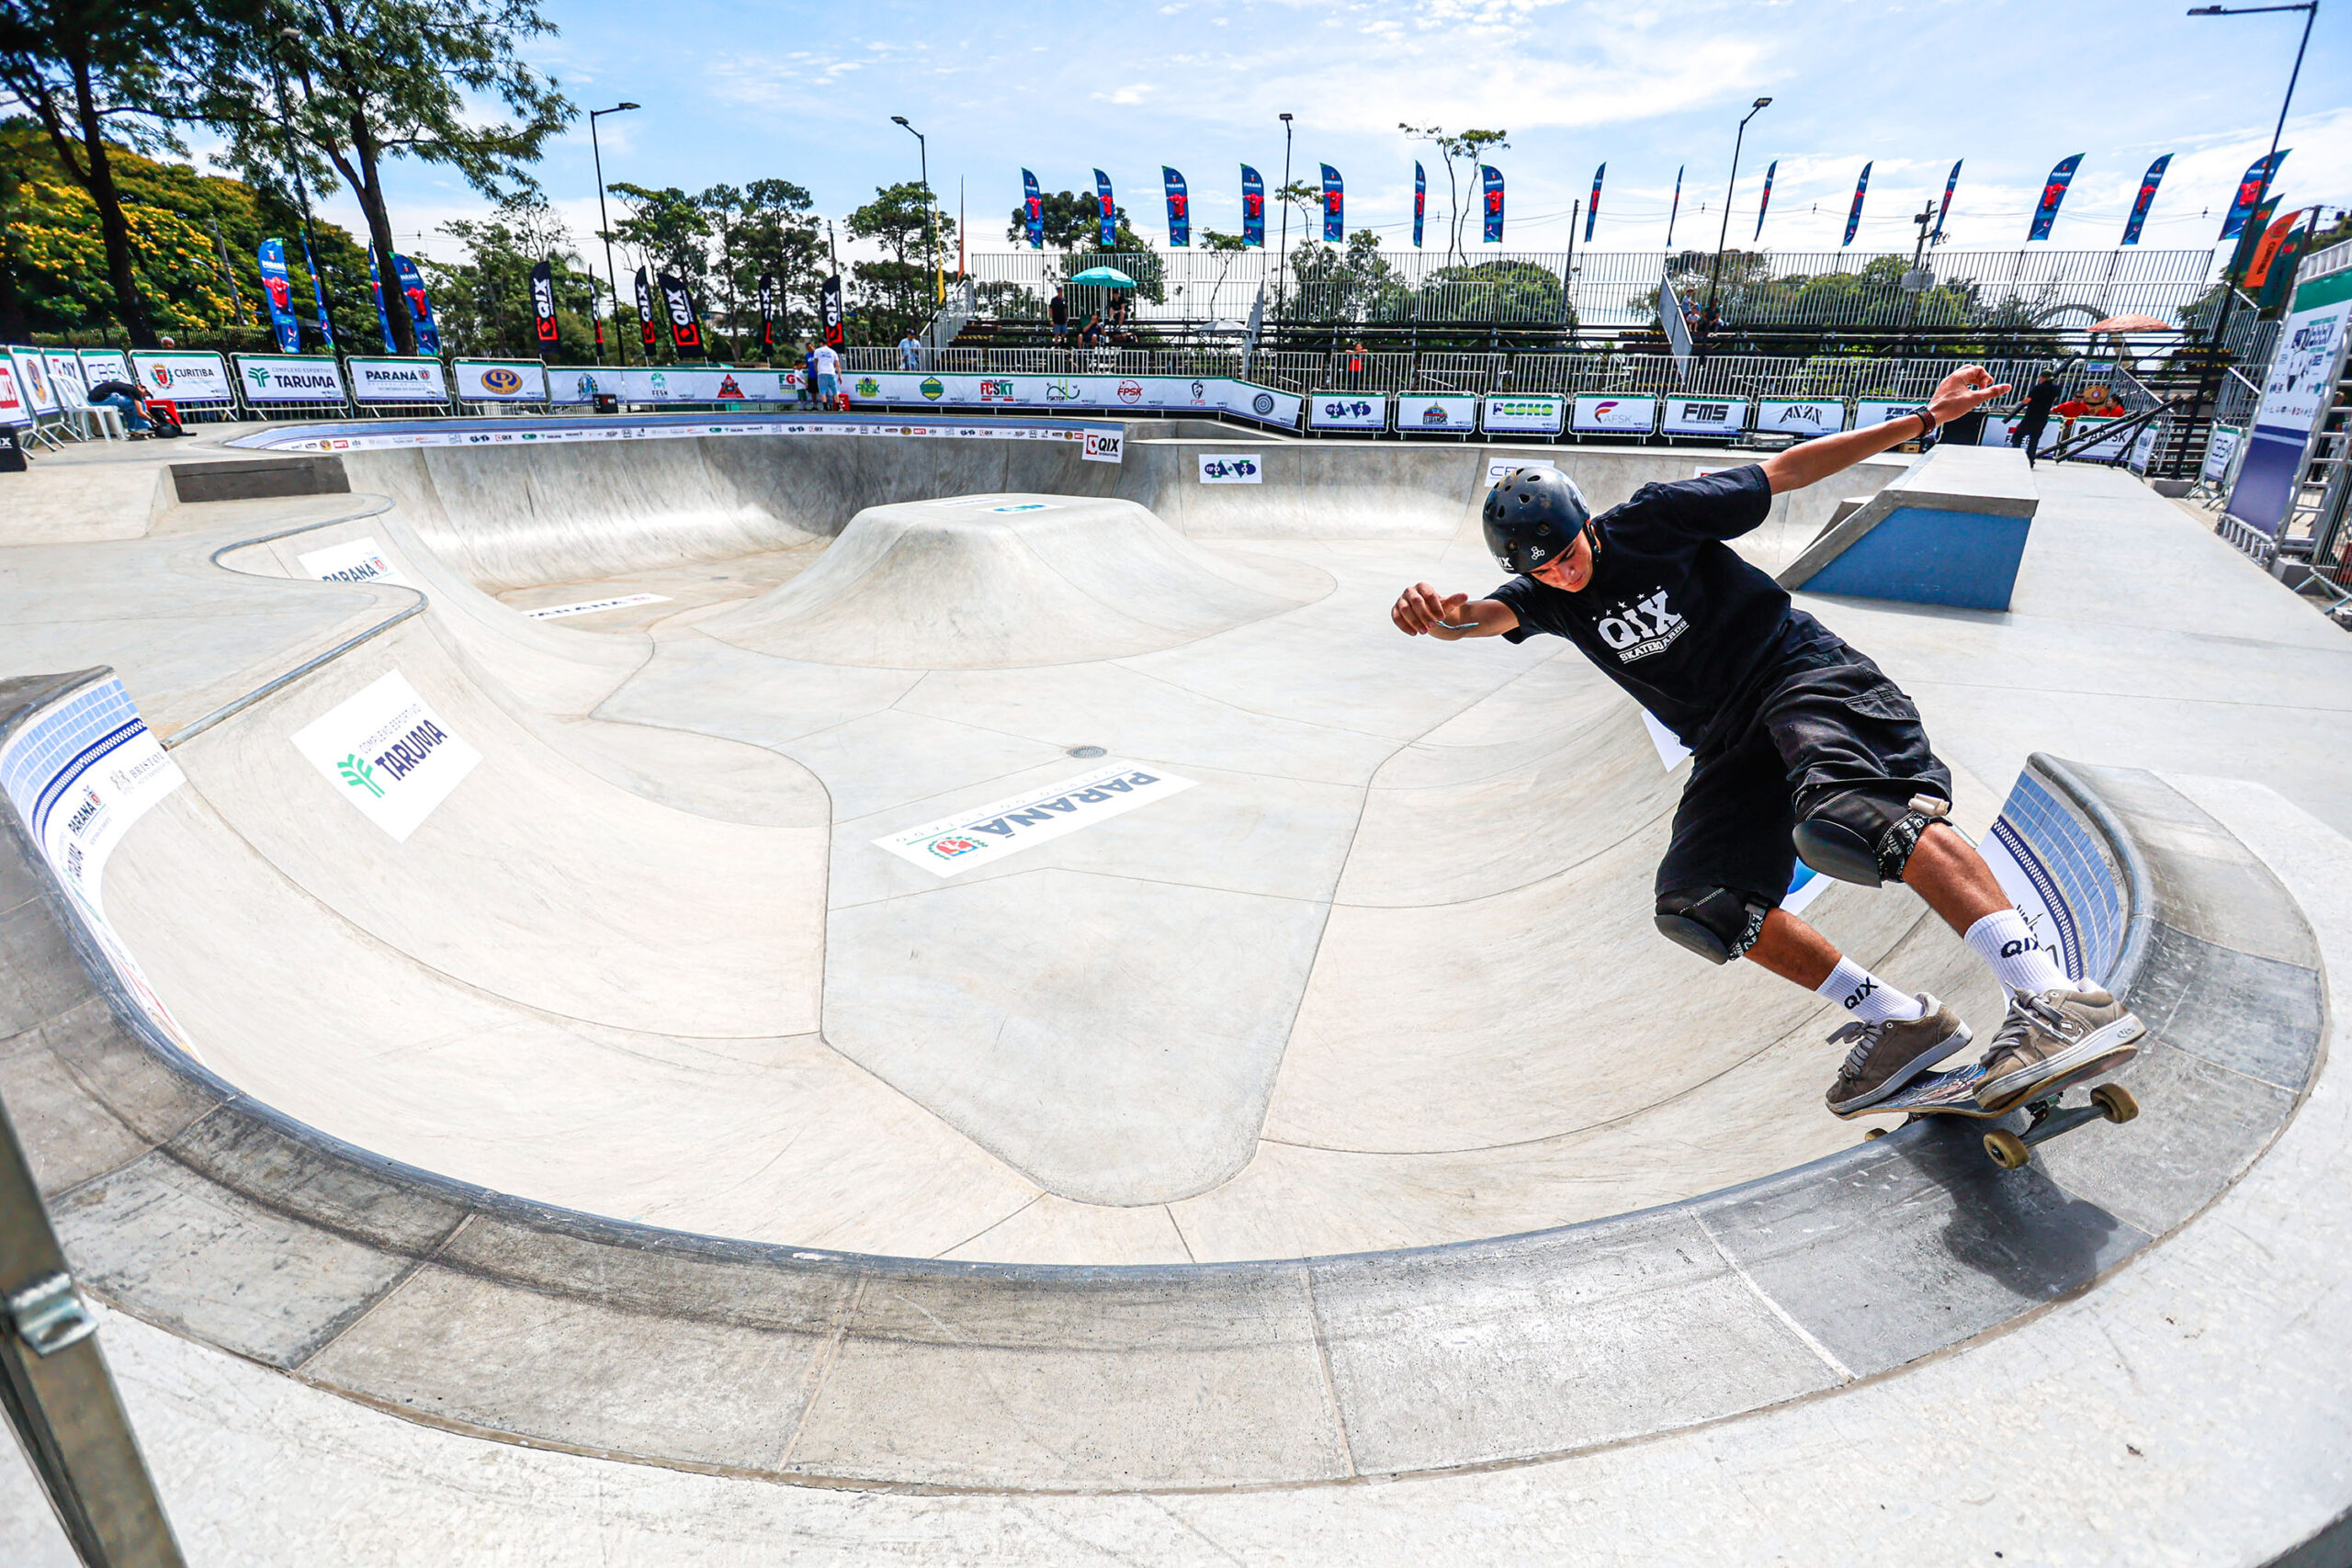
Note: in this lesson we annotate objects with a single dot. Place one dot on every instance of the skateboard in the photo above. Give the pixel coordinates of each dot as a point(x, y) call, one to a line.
point(1954, 1094)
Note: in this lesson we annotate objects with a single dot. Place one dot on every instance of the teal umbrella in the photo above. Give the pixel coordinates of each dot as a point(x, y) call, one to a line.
point(1107, 277)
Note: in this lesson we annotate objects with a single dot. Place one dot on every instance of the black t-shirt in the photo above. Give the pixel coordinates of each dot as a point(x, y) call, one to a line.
point(1672, 613)
point(2039, 400)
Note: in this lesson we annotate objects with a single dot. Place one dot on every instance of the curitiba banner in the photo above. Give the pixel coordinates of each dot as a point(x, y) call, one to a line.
point(2145, 200)
point(1179, 208)
point(280, 290)
point(1253, 208)
point(1854, 214)
point(1492, 178)
point(1335, 198)
point(2053, 191)
point(183, 375)
point(1033, 210)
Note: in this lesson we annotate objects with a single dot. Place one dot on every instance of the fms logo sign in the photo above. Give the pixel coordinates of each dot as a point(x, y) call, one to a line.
point(389, 754)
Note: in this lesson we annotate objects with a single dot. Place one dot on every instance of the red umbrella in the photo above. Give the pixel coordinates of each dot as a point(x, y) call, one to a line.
point(2131, 324)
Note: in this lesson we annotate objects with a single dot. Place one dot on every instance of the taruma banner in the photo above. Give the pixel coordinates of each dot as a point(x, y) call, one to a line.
point(830, 303)
point(2145, 200)
point(1253, 208)
point(1180, 207)
point(2251, 190)
point(1492, 179)
point(646, 331)
point(1335, 200)
point(1421, 200)
point(1108, 217)
point(543, 307)
point(280, 290)
point(686, 323)
point(1854, 213)
point(1032, 208)
point(2053, 191)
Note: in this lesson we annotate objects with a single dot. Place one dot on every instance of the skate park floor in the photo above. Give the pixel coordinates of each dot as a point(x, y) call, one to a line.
point(1353, 861)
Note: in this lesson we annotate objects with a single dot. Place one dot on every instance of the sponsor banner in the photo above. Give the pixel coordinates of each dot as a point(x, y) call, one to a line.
point(508, 432)
point(388, 754)
point(80, 774)
point(1102, 446)
point(33, 380)
point(1007, 826)
point(2144, 447)
point(1212, 392)
point(12, 398)
point(1108, 215)
point(2106, 446)
point(2000, 430)
point(1032, 212)
point(1854, 216)
point(105, 365)
point(1421, 200)
point(1335, 207)
point(2146, 199)
point(1596, 413)
point(420, 304)
point(1232, 469)
point(2053, 191)
point(182, 377)
point(354, 561)
point(65, 377)
point(1765, 203)
point(2220, 448)
point(1490, 181)
point(1801, 416)
point(289, 379)
point(543, 321)
point(499, 380)
point(1501, 468)
point(397, 381)
point(278, 287)
point(1878, 411)
point(2252, 186)
point(1347, 411)
point(1592, 208)
point(579, 384)
point(1952, 183)
point(1437, 414)
point(590, 606)
point(1253, 208)
point(1502, 414)
point(1704, 416)
point(1180, 207)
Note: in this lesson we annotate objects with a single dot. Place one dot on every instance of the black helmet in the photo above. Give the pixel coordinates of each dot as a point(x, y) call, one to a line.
point(1533, 516)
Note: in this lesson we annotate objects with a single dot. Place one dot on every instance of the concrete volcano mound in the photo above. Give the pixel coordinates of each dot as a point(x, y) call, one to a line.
point(990, 582)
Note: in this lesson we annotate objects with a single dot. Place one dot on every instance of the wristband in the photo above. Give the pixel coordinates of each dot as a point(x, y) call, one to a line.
point(1927, 420)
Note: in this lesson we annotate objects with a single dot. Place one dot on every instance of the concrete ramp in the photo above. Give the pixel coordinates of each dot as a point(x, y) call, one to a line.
point(987, 581)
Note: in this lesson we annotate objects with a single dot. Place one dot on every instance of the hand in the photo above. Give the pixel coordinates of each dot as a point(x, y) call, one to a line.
point(1964, 391)
point(1421, 609)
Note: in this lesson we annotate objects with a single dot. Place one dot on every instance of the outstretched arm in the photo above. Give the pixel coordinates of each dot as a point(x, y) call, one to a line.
point(1421, 611)
point(1963, 391)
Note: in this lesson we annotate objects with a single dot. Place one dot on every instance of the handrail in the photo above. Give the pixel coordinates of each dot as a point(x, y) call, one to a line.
point(2089, 438)
point(383, 503)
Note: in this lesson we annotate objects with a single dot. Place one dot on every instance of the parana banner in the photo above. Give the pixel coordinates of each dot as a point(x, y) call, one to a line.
point(289, 378)
point(397, 381)
point(182, 377)
point(499, 380)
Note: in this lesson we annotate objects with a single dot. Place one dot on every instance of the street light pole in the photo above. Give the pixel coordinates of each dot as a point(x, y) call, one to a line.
point(1281, 257)
point(2215, 347)
point(1714, 275)
point(930, 247)
point(605, 222)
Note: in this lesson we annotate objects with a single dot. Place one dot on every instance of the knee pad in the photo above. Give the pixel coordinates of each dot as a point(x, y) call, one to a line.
point(1714, 922)
point(1865, 839)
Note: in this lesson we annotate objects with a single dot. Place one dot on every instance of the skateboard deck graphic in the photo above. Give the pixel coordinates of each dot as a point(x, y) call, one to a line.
point(1954, 1094)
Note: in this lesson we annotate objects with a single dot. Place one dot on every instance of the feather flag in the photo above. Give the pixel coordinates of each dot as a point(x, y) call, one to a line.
point(1771, 169)
point(2251, 189)
point(1179, 208)
point(1421, 200)
point(1854, 214)
point(1674, 212)
point(1032, 204)
point(1109, 215)
point(1952, 182)
point(1253, 208)
point(1592, 209)
point(2145, 200)
point(2053, 191)
point(1335, 228)
point(1492, 178)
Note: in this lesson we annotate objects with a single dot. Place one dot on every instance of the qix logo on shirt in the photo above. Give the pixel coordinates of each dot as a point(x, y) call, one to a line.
point(1638, 630)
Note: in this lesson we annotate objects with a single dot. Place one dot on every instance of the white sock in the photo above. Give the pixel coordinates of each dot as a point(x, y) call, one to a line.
point(2018, 960)
point(1866, 998)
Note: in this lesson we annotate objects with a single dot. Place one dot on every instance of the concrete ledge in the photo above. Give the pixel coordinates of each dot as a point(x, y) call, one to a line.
point(254, 479)
point(195, 1208)
point(1950, 531)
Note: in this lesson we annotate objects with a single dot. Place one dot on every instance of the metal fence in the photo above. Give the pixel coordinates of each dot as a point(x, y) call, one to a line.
point(2018, 289)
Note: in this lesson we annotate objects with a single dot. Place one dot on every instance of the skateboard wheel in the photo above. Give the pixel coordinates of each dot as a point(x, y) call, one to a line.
point(2115, 1102)
point(2006, 1149)
point(1874, 1133)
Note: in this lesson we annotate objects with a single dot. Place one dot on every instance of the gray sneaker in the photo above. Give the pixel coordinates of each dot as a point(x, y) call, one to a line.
point(2053, 1036)
point(1887, 1056)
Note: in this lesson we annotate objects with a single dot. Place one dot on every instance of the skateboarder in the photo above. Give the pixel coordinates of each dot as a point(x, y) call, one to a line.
point(1801, 745)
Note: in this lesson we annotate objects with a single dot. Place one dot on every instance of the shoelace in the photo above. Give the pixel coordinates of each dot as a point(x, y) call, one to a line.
point(1865, 1037)
point(2018, 1024)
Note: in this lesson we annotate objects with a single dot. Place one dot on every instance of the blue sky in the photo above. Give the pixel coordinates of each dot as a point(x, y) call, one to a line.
point(733, 92)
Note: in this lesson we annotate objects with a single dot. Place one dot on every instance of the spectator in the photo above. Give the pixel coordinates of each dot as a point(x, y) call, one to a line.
point(1355, 364)
point(827, 365)
point(2038, 399)
point(1091, 335)
point(2096, 402)
point(910, 351)
point(131, 404)
point(807, 371)
point(1060, 311)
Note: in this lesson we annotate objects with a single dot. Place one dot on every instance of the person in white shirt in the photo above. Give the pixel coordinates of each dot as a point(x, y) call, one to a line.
point(828, 379)
point(910, 352)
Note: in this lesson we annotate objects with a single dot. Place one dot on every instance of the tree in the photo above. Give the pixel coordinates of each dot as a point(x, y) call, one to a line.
point(88, 69)
point(483, 303)
point(1073, 221)
point(774, 234)
point(898, 295)
point(346, 84)
point(1353, 283)
point(665, 231)
point(1468, 149)
point(1212, 241)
